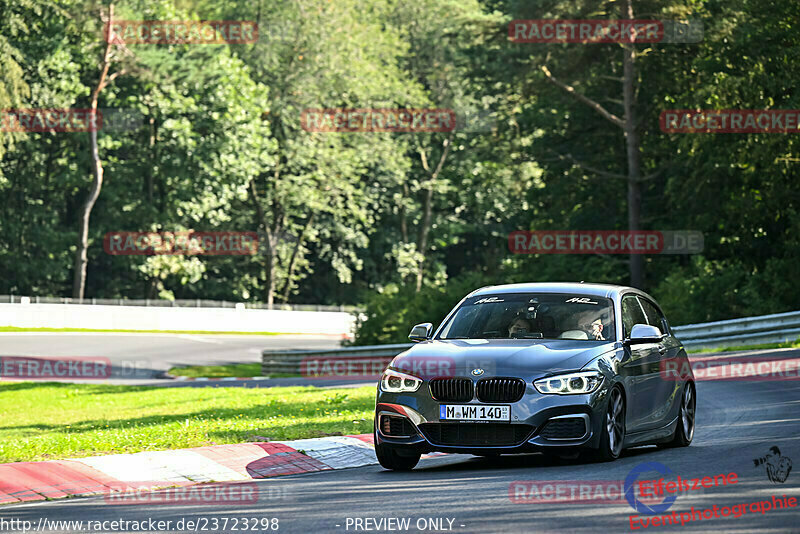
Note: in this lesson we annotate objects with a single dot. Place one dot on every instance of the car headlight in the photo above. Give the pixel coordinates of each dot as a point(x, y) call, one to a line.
point(397, 382)
point(569, 384)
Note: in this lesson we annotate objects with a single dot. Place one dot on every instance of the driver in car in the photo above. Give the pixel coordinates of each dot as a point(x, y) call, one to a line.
point(519, 325)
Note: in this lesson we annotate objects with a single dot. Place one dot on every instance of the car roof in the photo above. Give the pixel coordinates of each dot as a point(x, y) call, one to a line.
point(576, 288)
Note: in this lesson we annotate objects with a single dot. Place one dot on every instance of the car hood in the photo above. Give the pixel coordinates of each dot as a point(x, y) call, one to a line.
point(525, 358)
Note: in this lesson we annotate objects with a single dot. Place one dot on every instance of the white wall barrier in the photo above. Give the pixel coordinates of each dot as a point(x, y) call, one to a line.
point(237, 319)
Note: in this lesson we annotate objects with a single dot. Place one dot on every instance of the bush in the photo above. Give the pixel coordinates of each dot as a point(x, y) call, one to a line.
point(704, 290)
point(709, 290)
point(391, 313)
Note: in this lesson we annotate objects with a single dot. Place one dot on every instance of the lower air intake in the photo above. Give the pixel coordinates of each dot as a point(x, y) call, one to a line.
point(475, 434)
point(566, 428)
point(396, 426)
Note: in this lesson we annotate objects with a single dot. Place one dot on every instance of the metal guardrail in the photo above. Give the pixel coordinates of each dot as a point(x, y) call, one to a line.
point(190, 303)
point(288, 361)
point(775, 328)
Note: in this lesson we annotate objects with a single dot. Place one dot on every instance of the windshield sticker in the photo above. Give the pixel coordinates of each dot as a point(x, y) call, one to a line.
point(584, 300)
point(488, 300)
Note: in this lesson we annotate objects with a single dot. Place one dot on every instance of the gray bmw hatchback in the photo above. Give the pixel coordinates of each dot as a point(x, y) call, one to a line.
point(560, 367)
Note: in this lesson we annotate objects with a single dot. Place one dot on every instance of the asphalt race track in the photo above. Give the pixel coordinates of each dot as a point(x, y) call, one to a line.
point(138, 357)
point(737, 422)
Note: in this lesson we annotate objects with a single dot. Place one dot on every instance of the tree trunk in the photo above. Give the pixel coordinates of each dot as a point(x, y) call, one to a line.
point(633, 147)
point(271, 243)
point(81, 254)
point(427, 208)
point(270, 274)
point(287, 287)
point(150, 177)
point(632, 142)
point(403, 223)
point(424, 229)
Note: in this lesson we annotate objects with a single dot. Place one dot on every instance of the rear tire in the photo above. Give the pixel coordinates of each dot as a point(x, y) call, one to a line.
point(390, 458)
point(684, 430)
point(613, 434)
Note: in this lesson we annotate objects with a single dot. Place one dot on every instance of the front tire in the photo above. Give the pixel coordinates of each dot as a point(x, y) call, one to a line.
point(390, 458)
point(613, 434)
point(684, 430)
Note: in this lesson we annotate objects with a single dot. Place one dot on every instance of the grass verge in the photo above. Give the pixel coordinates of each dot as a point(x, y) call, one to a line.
point(45, 421)
point(237, 370)
point(240, 370)
point(765, 346)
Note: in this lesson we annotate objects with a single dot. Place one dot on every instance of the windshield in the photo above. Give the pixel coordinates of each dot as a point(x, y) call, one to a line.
point(533, 316)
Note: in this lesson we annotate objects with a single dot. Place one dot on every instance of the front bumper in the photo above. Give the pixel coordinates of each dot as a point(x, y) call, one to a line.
point(528, 430)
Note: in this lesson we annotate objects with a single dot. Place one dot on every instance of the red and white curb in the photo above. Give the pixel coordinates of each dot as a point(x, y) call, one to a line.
point(99, 475)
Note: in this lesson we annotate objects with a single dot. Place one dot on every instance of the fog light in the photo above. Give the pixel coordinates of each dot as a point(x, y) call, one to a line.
point(395, 426)
point(386, 425)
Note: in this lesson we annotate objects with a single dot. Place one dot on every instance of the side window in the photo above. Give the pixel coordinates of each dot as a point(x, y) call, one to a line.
point(654, 317)
point(631, 314)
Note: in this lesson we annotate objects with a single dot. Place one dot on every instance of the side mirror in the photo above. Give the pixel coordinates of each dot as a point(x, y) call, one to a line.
point(421, 332)
point(644, 333)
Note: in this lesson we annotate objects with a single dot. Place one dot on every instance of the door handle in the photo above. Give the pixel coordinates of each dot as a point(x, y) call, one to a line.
point(662, 349)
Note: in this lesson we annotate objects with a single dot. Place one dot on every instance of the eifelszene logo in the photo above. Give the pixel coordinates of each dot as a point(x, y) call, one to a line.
point(630, 493)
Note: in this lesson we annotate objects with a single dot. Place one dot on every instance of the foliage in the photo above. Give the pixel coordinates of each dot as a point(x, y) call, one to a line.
point(391, 313)
point(216, 143)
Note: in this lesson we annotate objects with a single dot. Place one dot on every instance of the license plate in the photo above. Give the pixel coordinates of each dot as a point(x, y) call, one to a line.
point(474, 412)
